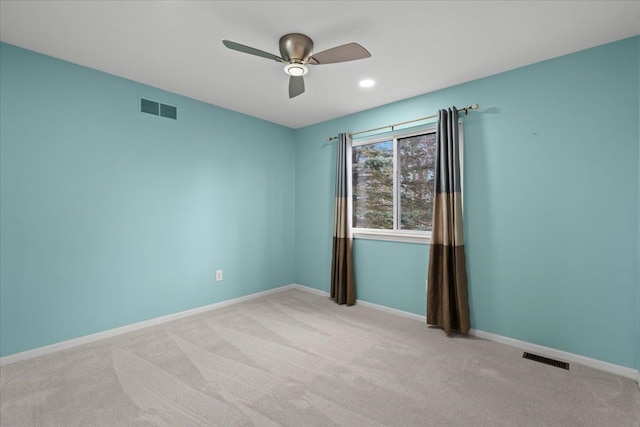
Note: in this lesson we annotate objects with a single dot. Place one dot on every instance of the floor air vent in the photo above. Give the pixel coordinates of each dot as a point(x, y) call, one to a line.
point(546, 360)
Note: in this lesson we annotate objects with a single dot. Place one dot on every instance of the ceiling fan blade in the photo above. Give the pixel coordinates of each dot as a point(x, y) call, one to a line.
point(296, 86)
point(346, 52)
point(250, 50)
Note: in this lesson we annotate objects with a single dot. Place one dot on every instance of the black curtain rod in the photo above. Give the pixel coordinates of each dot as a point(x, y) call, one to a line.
point(465, 109)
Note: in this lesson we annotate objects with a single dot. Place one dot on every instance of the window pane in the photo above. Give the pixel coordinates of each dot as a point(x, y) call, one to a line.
point(373, 185)
point(416, 174)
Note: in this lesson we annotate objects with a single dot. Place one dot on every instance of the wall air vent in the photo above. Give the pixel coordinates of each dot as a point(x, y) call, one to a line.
point(546, 360)
point(150, 107)
point(168, 111)
point(158, 109)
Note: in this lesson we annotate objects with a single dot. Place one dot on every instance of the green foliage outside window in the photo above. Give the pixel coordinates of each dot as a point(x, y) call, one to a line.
point(416, 173)
point(373, 186)
point(373, 166)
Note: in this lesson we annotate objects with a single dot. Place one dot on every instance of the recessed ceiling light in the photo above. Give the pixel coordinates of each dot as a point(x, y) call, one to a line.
point(367, 83)
point(296, 69)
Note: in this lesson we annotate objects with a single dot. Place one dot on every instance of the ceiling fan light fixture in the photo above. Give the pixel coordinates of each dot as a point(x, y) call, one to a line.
point(296, 50)
point(296, 69)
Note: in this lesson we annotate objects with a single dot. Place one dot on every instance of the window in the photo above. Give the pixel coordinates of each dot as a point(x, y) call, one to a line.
point(393, 187)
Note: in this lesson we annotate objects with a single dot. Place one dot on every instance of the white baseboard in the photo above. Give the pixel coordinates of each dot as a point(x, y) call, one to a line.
point(311, 290)
point(402, 313)
point(534, 348)
point(542, 350)
point(64, 345)
point(365, 304)
point(558, 354)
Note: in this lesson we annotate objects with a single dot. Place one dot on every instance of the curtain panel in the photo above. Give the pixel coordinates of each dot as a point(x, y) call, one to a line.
point(447, 300)
point(343, 289)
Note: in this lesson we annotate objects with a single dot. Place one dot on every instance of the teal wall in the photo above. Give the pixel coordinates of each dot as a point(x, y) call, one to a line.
point(110, 216)
point(551, 204)
point(636, 336)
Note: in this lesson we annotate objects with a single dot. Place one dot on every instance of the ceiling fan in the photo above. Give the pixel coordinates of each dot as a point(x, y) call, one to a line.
point(297, 52)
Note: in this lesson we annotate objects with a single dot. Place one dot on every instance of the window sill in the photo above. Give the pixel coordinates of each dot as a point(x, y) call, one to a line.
point(393, 236)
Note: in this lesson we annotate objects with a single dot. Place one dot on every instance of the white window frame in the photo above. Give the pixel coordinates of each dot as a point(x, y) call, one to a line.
point(398, 235)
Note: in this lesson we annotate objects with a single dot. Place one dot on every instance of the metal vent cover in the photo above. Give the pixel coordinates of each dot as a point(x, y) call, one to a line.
point(168, 111)
point(149, 107)
point(546, 360)
point(158, 109)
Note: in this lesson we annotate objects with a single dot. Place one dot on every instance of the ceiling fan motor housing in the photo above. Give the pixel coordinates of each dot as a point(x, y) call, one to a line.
point(296, 47)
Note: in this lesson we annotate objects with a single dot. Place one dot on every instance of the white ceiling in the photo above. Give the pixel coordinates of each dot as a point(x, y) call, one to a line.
point(416, 46)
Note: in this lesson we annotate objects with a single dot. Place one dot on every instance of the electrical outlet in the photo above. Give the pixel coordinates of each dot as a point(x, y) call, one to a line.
point(218, 275)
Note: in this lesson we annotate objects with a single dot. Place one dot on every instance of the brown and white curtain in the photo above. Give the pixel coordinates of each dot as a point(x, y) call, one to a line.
point(343, 289)
point(447, 302)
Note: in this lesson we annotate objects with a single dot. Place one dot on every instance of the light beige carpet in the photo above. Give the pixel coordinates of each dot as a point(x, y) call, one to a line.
point(298, 359)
